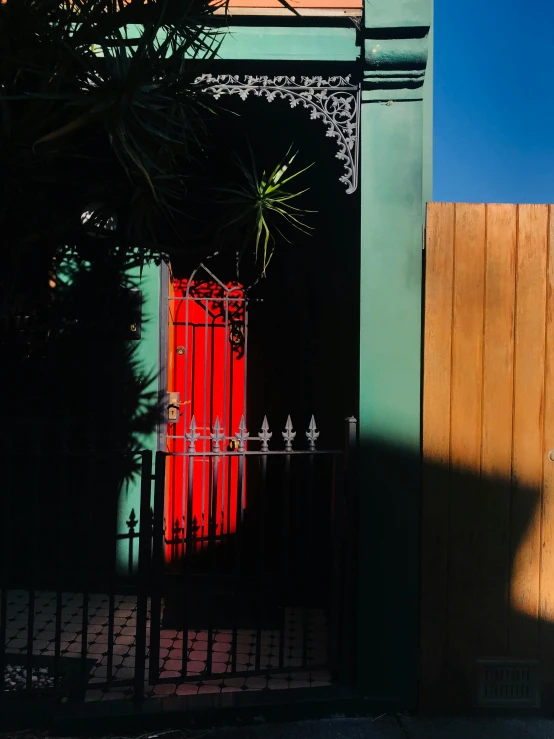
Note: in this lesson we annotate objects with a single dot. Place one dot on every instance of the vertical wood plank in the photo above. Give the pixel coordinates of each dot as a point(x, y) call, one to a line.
point(467, 337)
point(546, 596)
point(439, 263)
point(527, 463)
point(496, 453)
point(465, 449)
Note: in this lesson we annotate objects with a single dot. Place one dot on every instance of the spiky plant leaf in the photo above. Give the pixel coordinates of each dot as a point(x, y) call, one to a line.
point(262, 203)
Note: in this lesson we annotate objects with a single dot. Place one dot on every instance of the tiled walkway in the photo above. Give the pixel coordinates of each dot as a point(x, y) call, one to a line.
point(304, 643)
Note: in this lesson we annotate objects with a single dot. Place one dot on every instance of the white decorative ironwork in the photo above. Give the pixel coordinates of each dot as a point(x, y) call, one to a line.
point(265, 435)
point(217, 435)
point(333, 100)
point(242, 435)
point(312, 434)
point(192, 436)
point(289, 435)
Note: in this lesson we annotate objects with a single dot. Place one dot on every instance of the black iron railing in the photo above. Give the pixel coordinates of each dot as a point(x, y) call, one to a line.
point(252, 582)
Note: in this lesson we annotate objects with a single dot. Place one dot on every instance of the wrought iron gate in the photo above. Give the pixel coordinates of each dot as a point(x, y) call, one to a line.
point(268, 605)
point(247, 551)
point(264, 603)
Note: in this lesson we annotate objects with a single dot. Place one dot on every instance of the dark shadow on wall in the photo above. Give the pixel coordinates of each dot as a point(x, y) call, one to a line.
point(424, 580)
point(87, 393)
point(279, 556)
point(304, 335)
point(75, 406)
point(468, 528)
point(443, 583)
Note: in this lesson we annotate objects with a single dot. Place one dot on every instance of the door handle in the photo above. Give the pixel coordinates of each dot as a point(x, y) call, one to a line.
point(172, 411)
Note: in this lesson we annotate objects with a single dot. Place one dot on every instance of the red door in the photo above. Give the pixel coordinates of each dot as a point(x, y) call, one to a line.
point(207, 368)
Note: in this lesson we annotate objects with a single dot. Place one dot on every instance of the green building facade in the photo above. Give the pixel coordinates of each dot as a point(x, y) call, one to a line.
point(384, 65)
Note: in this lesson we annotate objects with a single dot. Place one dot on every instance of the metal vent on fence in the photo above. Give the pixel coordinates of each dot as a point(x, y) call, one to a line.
point(509, 683)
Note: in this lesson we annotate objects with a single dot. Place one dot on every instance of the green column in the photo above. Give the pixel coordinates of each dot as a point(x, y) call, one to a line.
point(394, 55)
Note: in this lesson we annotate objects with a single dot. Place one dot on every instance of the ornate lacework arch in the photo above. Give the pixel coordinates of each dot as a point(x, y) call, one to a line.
point(333, 100)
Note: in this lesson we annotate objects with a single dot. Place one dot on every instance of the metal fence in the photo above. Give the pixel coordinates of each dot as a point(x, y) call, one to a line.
point(260, 593)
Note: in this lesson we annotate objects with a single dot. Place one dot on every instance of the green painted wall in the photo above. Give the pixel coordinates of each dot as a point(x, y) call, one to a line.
point(290, 44)
point(397, 13)
point(281, 43)
point(391, 269)
point(149, 283)
point(390, 331)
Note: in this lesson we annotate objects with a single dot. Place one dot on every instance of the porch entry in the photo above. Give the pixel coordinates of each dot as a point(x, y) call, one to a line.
point(249, 528)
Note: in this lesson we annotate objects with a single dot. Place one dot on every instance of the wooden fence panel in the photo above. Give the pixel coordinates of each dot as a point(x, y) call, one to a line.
point(436, 435)
point(546, 590)
point(465, 436)
point(496, 448)
point(526, 472)
point(488, 425)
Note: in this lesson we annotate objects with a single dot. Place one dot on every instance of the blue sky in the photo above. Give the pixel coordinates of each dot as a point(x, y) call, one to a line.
point(494, 101)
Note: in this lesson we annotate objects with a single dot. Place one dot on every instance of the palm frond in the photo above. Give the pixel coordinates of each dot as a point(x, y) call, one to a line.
point(98, 103)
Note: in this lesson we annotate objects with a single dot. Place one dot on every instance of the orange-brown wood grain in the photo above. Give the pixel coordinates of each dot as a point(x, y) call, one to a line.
point(546, 589)
point(439, 269)
point(499, 540)
point(465, 439)
point(496, 451)
point(528, 428)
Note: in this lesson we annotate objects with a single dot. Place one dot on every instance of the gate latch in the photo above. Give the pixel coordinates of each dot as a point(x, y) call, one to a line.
point(173, 410)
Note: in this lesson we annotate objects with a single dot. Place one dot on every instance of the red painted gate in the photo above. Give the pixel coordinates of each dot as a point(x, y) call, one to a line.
point(207, 384)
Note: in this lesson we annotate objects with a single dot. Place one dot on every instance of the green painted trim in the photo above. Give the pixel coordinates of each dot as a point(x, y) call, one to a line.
point(395, 63)
point(390, 95)
point(281, 43)
point(390, 406)
point(148, 355)
point(393, 13)
point(290, 44)
point(385, 54)
point(428, 121)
